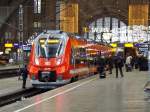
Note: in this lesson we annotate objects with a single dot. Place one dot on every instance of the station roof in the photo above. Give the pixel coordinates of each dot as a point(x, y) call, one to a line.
point(94, 9)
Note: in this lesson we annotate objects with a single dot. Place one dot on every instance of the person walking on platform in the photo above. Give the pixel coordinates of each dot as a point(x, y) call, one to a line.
point(109, 62)
point(119, 62)
point(136, 62)
point(24, 73)
point(101, 66)
point(19, 74)
point(128, 63)
point(133, 62)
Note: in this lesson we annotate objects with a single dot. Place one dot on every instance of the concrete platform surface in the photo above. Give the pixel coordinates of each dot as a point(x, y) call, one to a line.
point(9, 85)
point(91, 95)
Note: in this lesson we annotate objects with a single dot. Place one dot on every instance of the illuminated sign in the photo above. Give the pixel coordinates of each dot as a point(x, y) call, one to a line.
point(53, 41)
point(26, 47)
point(42, 41)
point(16, 45)
point(113, 49)
point(9, 45)
point(143, 47)
point(113, 45)
point(128, 45)
point(42, 45)
point(1, 53)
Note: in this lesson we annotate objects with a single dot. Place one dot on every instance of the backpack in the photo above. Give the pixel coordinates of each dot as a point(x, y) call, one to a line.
point(118, 60)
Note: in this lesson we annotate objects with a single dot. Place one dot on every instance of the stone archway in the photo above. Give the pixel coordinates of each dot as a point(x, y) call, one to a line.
point(108, 29)
point(101, 12)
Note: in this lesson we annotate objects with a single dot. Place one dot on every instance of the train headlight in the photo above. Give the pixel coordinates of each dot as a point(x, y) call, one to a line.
point(58, 61)
point(37, 61)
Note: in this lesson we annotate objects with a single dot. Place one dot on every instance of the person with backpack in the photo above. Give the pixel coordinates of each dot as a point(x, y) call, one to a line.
point(119, 63)
point(109, 62)
point(24, 73)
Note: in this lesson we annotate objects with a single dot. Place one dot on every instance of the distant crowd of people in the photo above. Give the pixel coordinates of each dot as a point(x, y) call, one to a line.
point(108, 63)
point(118, 62)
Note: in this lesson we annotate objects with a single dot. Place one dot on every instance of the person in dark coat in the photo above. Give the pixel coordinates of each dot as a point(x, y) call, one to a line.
point(143, 63)
point(133, 62)
point(109, 62)
point(101, 66)
point(119, 62)
point(24, 73)
point(136, 62)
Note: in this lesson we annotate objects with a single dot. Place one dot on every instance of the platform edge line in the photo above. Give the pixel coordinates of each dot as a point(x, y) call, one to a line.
point(66, 91)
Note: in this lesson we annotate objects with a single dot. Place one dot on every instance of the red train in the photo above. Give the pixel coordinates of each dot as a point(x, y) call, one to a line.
point(58, 58)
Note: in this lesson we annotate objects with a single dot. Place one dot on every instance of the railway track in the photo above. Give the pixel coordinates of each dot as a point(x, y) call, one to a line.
point(6, 73)
point(22, 93)
point(25, 93)
point(18, 95)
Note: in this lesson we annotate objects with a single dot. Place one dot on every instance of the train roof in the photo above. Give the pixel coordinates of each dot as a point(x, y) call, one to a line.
point(74, 36)
point(53, 31)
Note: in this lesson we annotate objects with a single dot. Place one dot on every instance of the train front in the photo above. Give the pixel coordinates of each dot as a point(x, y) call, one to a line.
point(46, 66)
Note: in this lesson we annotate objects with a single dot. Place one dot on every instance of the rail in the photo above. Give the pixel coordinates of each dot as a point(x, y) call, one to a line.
point(19, 95)
point(6, 73)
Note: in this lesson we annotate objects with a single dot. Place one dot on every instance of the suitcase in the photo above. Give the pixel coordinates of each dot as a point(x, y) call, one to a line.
point(129, 67)
point(102, 75)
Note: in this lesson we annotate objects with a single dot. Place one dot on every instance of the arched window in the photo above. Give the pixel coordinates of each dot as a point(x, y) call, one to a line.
point(37, 6)
point(108, 29)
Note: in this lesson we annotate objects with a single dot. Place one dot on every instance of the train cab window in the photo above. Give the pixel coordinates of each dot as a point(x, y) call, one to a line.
point(51, 50)
point(42, 51)
point(49, 44)
point(60, 49)
point(50, 47)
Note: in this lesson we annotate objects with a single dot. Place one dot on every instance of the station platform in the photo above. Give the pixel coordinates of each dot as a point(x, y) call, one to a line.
point(9, 85)
point(91, 95)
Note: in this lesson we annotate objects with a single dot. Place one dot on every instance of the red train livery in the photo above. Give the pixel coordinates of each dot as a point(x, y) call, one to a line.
point(58, 58)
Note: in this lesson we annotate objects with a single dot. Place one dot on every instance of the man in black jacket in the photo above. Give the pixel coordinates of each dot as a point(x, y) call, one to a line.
point(109, 62)
point(101, 66)
point(24, 73)
point(119, 62)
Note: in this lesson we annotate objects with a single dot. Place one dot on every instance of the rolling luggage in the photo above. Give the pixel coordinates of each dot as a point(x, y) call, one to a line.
point(129, 68)
point(102, 75)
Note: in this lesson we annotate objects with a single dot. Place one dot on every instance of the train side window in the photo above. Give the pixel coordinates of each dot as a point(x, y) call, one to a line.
point(83, 57)
point(76, 56)
point(80, 56)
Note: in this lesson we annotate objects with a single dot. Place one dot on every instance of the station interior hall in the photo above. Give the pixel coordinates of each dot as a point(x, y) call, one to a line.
point(74, 55)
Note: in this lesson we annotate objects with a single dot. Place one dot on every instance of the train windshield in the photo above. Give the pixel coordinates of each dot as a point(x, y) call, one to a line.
point(50, 47)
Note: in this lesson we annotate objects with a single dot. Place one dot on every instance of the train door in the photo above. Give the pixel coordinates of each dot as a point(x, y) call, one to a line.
point(72, 58)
